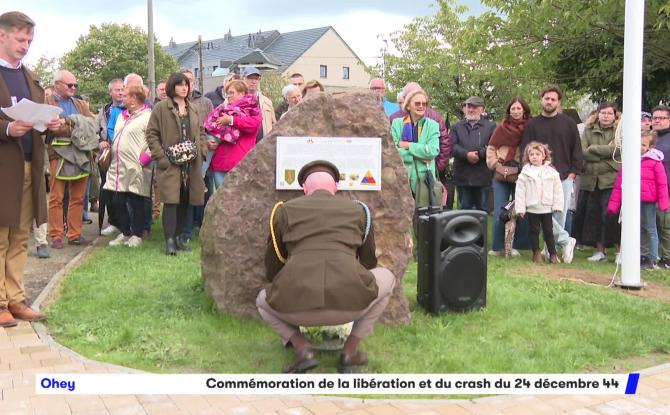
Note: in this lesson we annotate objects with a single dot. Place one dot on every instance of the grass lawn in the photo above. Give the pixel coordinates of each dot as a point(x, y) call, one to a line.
point(141, 309)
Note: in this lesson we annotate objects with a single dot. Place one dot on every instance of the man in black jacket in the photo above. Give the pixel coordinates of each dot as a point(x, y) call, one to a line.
point(470, 137)
point(560, 133)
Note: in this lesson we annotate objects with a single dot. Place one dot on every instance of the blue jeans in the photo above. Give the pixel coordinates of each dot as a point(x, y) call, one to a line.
point(217, 177)
point(207, 162)
point(473, 197)
point(501, 195)
point(561, 236)
point(648, 216)
point(193, 218)
point(86, 197)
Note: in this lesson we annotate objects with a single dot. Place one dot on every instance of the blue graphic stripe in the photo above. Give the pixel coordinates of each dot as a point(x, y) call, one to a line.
point(631, 386)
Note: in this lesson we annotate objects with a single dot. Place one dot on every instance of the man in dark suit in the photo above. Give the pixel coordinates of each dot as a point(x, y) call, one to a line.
point(21, 168)
point(320, 261)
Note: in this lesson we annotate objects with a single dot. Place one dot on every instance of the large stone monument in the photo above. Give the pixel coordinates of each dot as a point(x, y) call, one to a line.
point(236, 225)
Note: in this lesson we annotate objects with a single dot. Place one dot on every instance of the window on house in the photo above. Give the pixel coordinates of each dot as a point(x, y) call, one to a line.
point(195, 73)
point(345, 72)
point(323, 71)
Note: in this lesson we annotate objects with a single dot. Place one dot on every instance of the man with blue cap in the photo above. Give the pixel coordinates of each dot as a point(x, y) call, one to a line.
point(252, 77)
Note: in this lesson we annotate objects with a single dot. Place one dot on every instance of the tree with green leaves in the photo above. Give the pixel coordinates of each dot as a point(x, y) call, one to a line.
point(112, 51)
point(581, 43)
point(454, 58)
point(521, 45)
point(44, 69)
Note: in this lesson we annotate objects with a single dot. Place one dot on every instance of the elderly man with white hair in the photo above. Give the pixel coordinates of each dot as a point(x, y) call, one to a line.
point(293, 95)
point(321, 264)
point(65, 86)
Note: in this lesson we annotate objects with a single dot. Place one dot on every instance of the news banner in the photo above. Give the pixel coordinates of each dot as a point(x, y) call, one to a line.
point(332, 384)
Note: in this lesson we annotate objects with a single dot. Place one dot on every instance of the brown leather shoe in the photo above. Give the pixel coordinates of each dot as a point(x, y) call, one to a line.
point(23, 312)
point(351, 363)
point(303, 361)
point(554, 259)
point(537, 257)
point(6, 318)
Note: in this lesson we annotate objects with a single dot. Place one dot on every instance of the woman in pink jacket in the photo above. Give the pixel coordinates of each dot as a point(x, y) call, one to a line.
point(246, 119)
point(653, 189)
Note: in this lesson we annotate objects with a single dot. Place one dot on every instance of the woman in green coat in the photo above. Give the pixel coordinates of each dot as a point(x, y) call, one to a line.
point(418, 141)
point(597, 181)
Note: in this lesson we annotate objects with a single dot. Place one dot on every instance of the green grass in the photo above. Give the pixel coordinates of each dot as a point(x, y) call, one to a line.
point(141, 309)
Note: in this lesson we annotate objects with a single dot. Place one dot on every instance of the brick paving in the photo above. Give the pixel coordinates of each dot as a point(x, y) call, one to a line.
point(26, 350)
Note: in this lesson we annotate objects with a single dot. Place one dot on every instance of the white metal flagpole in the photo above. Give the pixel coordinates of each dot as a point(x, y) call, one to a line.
point(632, 104)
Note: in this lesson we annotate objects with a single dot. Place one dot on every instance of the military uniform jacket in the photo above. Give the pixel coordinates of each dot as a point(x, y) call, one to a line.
point(328, 264)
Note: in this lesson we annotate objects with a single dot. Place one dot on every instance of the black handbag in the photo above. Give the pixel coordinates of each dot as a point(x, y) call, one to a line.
point(507, 212)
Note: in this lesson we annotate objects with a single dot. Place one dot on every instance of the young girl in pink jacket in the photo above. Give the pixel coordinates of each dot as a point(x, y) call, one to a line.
point(653, 191)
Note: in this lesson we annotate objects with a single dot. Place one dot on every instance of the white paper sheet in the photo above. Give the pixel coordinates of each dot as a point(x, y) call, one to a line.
point(29, 111)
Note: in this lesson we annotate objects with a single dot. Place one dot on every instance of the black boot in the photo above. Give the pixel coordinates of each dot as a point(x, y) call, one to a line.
point(170, 247)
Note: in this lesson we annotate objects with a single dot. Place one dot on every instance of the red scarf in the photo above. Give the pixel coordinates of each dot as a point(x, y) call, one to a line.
point(509, 134)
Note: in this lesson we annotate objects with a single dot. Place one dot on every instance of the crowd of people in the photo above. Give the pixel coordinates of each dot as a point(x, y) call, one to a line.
point(174, 151)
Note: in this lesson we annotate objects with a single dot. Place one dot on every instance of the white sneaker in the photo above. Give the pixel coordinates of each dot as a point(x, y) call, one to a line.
point(597, 257)
point(617, 260)
point(119, 240)
point(496, 253)
point(134, 241)
point(569, 250)
point(109, 230)
point(515, 253)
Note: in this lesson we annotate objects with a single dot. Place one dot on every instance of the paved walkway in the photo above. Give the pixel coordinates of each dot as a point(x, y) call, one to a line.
point(26, 350)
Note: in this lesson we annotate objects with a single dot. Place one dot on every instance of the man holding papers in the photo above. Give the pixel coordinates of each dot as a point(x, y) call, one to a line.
point(21, 168)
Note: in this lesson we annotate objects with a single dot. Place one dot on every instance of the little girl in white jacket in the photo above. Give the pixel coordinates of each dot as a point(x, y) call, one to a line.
point(539, 193)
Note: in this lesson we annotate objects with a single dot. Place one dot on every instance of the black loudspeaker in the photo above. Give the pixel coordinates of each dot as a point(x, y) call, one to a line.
point(451, 268)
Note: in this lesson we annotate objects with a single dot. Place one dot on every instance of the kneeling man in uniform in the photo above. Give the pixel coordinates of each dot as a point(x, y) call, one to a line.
point(321, 264)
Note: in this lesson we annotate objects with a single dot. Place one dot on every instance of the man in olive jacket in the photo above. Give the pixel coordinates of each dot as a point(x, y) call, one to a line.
point(21, 168)
point(320, 260)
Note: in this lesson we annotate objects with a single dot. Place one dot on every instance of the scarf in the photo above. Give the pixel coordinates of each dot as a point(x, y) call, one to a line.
point(126, 114)
point(410, 131)
point(509, 133)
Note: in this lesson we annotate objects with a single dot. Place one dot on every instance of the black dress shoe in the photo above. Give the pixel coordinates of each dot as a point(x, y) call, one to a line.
point(170, 247)
point(302, 362)
point(183, 244)
point(352, 363)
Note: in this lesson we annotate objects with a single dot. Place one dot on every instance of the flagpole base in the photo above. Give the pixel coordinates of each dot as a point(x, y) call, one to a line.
point(629, 286)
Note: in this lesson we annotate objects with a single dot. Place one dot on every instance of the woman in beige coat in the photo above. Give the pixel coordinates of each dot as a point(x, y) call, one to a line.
point(504, 148)
point(127, 179)
point(172, 121)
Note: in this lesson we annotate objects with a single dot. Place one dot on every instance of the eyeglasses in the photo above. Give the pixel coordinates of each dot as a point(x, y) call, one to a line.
point(659, 118)
point(75, 85)
point(420, 104)
point(376, 88)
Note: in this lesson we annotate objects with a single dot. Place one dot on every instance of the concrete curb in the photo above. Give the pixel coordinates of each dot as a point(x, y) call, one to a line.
point(48, 294)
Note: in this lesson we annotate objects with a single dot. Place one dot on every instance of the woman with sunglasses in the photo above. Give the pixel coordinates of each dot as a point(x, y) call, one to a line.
point(418, 141)
point(173, 121)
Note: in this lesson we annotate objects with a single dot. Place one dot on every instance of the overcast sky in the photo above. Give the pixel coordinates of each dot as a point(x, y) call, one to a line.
point(359, 22)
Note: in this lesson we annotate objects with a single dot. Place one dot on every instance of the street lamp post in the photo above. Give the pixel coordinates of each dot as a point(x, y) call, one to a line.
point(151, 67)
